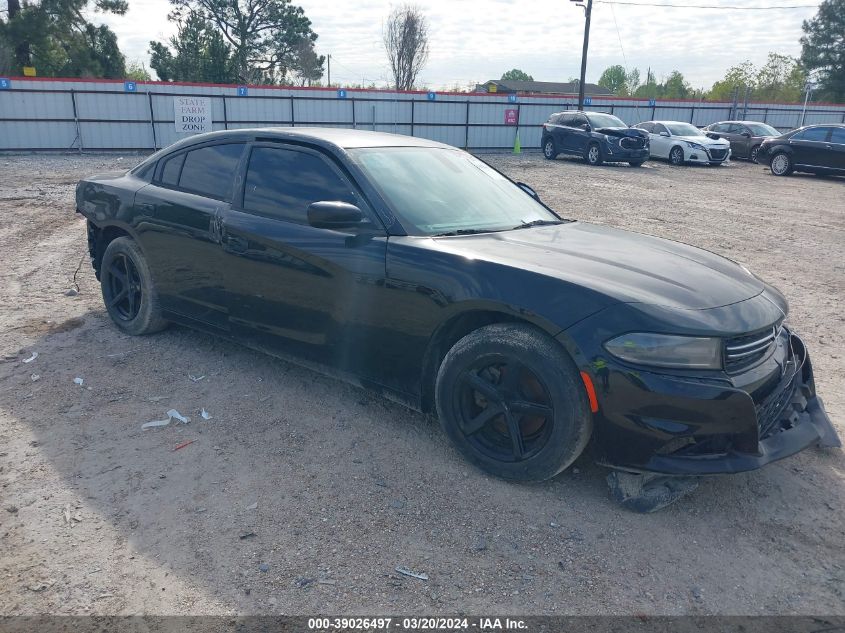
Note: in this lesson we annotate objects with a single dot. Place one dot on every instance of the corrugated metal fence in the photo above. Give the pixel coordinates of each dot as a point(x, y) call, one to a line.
point(105, 115)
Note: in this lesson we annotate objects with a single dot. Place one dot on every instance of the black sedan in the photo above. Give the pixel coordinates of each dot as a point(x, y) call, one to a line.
point(814, 149)
point(415, 269)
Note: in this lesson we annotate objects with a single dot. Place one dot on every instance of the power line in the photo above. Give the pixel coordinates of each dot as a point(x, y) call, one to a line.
point(707, 6)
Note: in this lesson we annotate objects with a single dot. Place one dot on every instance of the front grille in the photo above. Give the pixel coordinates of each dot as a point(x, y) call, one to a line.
point(718, 154)
point(775, 410)
point(630, 142)
point(743, 351)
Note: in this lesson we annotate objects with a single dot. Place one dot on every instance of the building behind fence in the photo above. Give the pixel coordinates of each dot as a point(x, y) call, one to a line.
point(62, 114)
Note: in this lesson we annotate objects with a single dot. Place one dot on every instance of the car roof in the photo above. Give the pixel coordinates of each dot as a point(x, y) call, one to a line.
point(338, 137)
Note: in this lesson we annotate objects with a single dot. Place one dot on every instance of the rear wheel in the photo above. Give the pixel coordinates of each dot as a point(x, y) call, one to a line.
point(128, 290)
point(676, 156)
point(593, 154)
point(781, 164)
point(549, 150)
point(513, 403)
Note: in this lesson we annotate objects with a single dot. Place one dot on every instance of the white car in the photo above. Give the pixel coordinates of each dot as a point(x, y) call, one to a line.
point(684, 143)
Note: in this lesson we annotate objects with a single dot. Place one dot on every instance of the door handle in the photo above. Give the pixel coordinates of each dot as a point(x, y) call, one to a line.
point(236, 244)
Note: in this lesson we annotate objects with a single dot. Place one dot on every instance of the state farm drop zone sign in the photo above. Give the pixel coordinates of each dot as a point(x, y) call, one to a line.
point(193, 114)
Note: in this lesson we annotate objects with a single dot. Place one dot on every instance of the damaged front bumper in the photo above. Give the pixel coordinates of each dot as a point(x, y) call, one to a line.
point(676, 425)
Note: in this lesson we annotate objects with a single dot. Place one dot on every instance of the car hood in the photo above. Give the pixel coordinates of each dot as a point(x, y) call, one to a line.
point(623, 265)
point(705, 140)
point(622, 131)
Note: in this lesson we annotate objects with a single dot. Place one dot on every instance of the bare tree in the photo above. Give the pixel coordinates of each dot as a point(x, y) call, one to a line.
point(406, 43)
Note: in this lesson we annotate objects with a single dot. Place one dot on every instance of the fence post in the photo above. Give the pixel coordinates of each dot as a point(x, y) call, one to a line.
point(292, 119)
point(413, 101)
point(691, 113)
point(225, 115)
point(152, 120)
point(466, 128)
point(76, 119)
point(354, 124)
point(765, 114)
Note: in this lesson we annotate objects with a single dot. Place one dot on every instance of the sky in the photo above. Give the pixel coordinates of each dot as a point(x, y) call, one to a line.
point(476, 40)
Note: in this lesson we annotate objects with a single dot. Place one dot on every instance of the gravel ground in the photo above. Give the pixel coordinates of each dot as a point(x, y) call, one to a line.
point(302, 494)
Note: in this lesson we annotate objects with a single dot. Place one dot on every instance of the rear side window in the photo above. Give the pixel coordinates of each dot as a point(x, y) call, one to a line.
point(171, 169)
point(566, 119)
point(658, 128)
point(813, 134)
point(648, 127)
point(838, 135)
point(281, 183)
point(736, 128)
point(719, 127)
point(210, 171)
point(554, 119)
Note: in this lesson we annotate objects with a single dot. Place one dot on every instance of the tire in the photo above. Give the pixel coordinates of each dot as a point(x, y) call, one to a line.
point(593, 155)
point(781, 164)
point(549, 149)
point(676, 155)
point(636, 163)
point(752, 156)
point(129, 293)
point(493, 374)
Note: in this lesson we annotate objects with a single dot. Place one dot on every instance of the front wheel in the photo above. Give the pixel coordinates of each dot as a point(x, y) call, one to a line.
point(549, 150)
point(128, 290)
point(676, 156)
point(754, 153)
point(513, 403)
point(593, 154)
point(781, 164)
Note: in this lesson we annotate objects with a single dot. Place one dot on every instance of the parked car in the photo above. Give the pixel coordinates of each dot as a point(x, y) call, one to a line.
point(815, 149)
point(745, 137)
point(684, 143)
point(595, 136)
point(415, 269)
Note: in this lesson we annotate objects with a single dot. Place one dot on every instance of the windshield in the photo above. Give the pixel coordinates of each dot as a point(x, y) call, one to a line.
point(683, 129)
point(438, 191)
point(761, 129)
point(605, 120)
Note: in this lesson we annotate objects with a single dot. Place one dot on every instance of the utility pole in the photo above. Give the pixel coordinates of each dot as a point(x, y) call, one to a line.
point(588, 10)
point(329, 67)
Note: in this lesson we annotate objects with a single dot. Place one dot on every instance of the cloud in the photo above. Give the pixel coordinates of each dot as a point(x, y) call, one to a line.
point(476, 40)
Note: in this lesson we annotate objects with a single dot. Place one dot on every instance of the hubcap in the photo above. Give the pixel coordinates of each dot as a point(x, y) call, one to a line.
point(677, 156)
point(779, 164)
point(754, 153)
point(123, 288)
point(505, 410)
point(593, 156)
point(549, 148)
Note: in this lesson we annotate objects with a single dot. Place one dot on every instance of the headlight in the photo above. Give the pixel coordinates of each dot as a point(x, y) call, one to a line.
point(666, 350)
point(695, 145)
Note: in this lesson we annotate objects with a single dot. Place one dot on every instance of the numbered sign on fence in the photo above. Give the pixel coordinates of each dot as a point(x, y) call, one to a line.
point(193, 114)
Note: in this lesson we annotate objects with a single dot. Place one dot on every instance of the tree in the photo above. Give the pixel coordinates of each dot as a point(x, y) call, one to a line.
point(632, 81)
point(516, 74)
point(823, 49)
point(736, 78)
point(614, 79)
point(308, 66)
point(56, 38)
point(781, 78)
point(406, 43)
point(262, 37)
point(198, 54)
point(676, 87)
point(137, 71)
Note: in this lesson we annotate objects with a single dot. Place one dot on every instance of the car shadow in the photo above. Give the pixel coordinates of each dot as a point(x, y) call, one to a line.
point(322, 481)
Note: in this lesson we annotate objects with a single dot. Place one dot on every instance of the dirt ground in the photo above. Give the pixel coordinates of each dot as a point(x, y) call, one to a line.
point(302, 494)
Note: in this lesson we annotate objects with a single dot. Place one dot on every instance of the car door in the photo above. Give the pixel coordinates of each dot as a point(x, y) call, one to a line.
point(739, 137)
point(810, 147)
point(563, 133)
point(580, 134)
point(660, 141)
point(189, 191)
point(293, 288)
point(837, 148)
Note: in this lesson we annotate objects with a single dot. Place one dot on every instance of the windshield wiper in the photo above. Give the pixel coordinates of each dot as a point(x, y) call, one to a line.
point(466, 232)
point(528, 225)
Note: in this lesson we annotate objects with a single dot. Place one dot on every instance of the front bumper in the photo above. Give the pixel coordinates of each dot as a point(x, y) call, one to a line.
point(706, 157)
point(681, 425)
point(613, 152)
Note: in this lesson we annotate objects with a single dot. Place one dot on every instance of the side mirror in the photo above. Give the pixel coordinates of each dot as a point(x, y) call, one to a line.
point(528, 190)
point(334, 215)
point(746, 134)
point(586, 127)
point(664, 134)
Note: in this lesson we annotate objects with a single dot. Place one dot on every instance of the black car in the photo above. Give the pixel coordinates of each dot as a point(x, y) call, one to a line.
point(595, 136)
point(745, 137)
point(815, 149)
point(414, 269)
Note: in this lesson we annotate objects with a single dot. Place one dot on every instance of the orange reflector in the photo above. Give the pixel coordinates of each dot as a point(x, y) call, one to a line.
point(591, 391)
